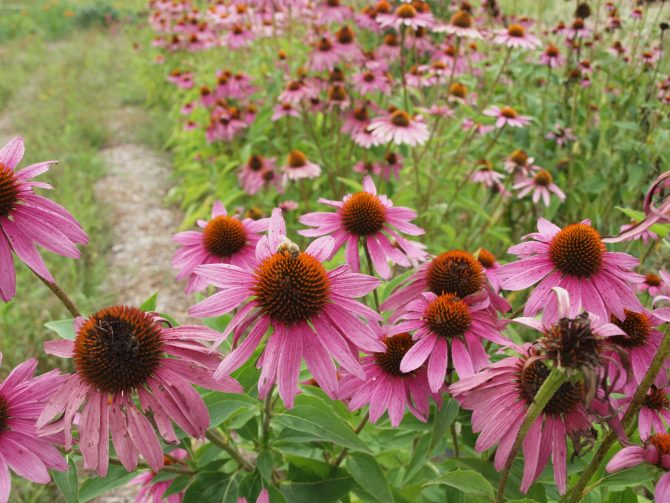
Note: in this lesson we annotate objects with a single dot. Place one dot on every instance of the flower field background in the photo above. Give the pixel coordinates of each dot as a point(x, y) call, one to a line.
point(333, 251)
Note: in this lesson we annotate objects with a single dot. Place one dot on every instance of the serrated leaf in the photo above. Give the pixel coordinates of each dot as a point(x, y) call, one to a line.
point(314, 417)
point(369, 475)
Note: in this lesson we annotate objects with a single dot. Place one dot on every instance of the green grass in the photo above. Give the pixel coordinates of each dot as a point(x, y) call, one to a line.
point(58, 95)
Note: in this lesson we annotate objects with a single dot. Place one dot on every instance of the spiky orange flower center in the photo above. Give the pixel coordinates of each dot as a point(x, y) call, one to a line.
point(652, 280)
point(383, 7)
point(400, 118)
point(543, 178)
point(333, 3)
point(519, 157)
point(662, 443)
point(448, 316)
point(337, 93)
point(508, 113)
point(291, 287)
point(297, 159)
point(345, 35)
point(391, 40)
point(294, 85)
point(456, 272)
point(5, 414)
point(405, 11)
point(397, 347)
point(224, 236)
point(552, 51)
point(255, 163)
point(369, 77)
point(324, 45)
point(577, 250)
point(9, 190)
point(363, 214)
point(458, 90)
point(637, 327)
point(361, 113)
point(656, 399)
point(117, 349)
point(486, 258)
point(516, 30)
point(462, 19)
point(532, 376)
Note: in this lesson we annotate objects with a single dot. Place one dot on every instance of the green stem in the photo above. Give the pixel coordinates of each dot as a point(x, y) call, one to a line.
point(221, 442)
point(577, 492)
point(168, 468)
point(358, 429)
point(549, 387)
point(62, 296)
point(369, 259)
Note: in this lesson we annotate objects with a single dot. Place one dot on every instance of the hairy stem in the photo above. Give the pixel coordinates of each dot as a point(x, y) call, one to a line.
point(223, 444)
point(577, 492)
point(549, 387)
point(62, 296)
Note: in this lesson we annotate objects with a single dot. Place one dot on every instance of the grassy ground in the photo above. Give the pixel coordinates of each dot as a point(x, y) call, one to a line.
point(59, 93)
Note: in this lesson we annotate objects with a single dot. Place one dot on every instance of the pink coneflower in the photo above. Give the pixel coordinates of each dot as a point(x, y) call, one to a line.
point(367, 168)
point(298, 166)
point(370, 81)
point(645, 236)
point(491, 266)
point(392, 166)
point(542, 185)
point(311, 310)
point(239, 36)
point(282, 110)
point(355, 121)
point(27, 219)
point(330, 11)
point(654, 414)
point(515, 36)
point(519, 163)
point(389, 50)
point(656, 451)
point(152, 490)
point(365, 139)
point(447, 330)
point(485, 174)
point(454, 272)
point(576, 259)
point(561, 135)
point(499, 397)
point(297, 91)
point(251, 174)
point(406, 15)
point(458, 93)
point(371, 218)
point(224, 239)
point(400, 128)
point(507, 116)
point(461, 25)
point(480, 129)
point(577, 30)
point(345, 45)
point(323, 56)
point(22, 398)
point(655, 284)
point(120, 353)
point(386, 387)
point(640, 343)
point(552, 57)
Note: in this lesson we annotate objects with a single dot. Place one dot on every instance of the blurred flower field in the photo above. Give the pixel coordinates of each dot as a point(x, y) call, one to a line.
point(335, 251)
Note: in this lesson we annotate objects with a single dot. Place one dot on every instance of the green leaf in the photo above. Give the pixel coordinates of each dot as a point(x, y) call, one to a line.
point(324, 491)
point(264, 465)
point(632, 477)
point(369, 475)
point(117, 476)
point(207, 487)
point(64, 328)
point(178, 485)
point(467, 481)
point(442, 420)
point(68, 482)
point(149, 304)
point(352, 184)
point(225, 406)
point(627, 496)
point(419, 457)
point(314, 417)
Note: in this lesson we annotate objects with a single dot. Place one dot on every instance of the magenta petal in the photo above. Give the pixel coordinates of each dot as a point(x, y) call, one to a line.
point(437, 364)
point(290, 357)
point(8, 276)
point(662, 490)
point(123, 445)
point(12, 153)
point(62, 347)
point(23, 462)
point(5, 481)
point(144, 438)
point(418, 353)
